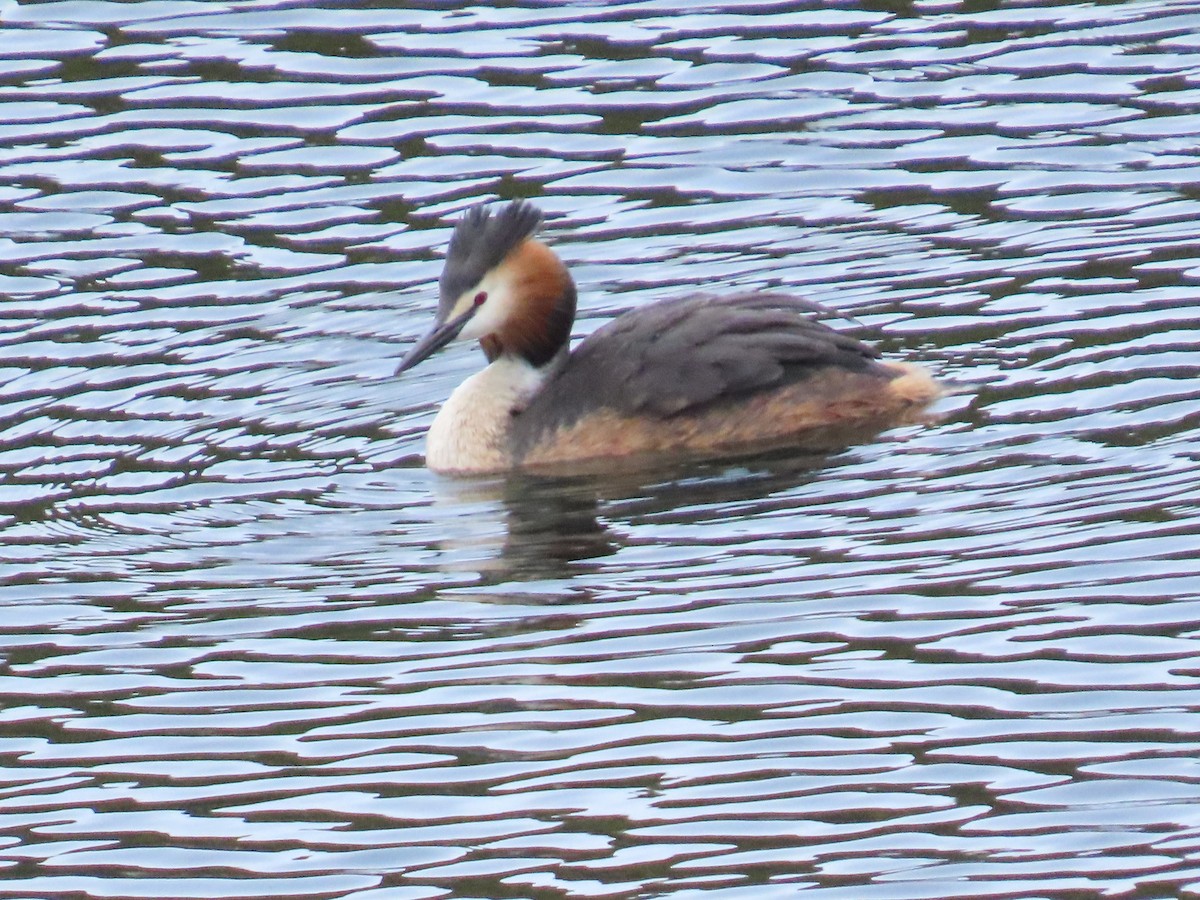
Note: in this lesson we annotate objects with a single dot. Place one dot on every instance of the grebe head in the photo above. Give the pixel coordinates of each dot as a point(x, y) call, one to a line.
point(502, 288)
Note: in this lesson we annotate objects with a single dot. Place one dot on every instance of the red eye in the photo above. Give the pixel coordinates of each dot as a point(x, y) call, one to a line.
point(480, 297)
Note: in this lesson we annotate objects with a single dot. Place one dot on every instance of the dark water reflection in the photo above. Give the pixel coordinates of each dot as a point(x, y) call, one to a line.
point(251, 648)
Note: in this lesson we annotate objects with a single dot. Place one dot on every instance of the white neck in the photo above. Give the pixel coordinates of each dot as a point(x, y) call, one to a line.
point(471, 431)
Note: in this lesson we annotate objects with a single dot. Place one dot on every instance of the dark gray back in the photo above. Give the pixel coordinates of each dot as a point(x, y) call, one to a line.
point(685, 354)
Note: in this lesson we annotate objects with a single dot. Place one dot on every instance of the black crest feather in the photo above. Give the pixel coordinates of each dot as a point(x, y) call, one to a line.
point(481, 240)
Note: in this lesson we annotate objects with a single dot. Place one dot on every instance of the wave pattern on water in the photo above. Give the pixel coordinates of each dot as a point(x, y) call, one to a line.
point(252, 649)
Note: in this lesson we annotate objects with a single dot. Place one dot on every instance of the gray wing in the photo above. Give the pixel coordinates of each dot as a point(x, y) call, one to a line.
point(680, 355)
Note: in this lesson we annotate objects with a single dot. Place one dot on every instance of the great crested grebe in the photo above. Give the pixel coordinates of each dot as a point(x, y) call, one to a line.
point(695, 376)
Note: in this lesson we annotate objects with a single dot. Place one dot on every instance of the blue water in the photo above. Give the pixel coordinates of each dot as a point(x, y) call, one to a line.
point(252, 648)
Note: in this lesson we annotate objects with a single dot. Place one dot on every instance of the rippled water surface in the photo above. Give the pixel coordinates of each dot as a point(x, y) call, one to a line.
point(252, 648)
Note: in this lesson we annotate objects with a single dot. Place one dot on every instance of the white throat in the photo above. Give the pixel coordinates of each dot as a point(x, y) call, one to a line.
point(471, 432)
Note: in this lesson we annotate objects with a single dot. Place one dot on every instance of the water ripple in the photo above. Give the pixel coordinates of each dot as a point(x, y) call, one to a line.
point(244, 626)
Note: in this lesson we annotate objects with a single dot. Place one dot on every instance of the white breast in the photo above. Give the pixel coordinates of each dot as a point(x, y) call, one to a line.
point(471, 431)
